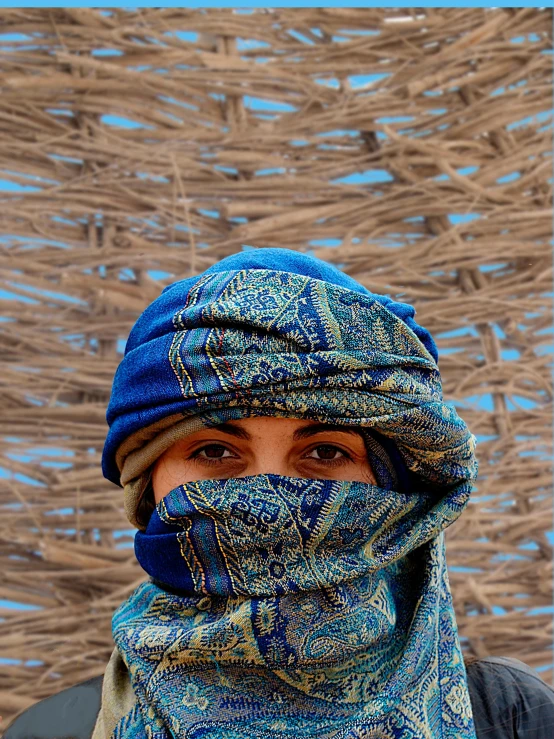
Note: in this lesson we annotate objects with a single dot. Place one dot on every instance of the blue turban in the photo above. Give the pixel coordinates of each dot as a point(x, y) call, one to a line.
point(147, 387)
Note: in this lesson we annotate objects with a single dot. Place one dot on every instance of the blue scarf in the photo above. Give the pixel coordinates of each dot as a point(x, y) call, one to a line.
point(284, 607)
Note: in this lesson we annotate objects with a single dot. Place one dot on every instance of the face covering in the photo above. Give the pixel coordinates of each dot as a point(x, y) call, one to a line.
point(284, 607)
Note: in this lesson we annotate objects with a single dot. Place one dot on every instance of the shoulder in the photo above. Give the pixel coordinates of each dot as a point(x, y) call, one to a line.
point(69, 714)
point(509, 700)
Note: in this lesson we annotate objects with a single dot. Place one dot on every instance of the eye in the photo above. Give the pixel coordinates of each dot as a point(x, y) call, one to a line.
point(213, 451)
point(326, 452)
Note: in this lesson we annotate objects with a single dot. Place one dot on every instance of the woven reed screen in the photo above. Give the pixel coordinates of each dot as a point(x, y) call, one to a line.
point(431, 183)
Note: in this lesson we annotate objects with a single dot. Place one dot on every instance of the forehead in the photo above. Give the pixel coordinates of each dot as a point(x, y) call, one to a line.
point(249, 428)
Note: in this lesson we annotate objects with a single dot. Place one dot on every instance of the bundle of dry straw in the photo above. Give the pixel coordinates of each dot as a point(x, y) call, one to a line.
point(431, 181)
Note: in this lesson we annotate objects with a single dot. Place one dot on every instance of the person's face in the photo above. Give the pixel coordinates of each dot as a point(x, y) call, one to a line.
point(253, 446)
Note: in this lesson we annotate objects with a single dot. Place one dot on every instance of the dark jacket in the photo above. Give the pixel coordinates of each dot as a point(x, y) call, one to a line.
point(509, 701)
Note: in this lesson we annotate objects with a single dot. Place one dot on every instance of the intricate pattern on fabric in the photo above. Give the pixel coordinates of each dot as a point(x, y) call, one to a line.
point(264, 342)
point(305, 608)
point(386, 463)
point(285, 607)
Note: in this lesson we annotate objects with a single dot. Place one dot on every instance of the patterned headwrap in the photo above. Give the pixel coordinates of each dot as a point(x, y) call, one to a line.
point(279, 606)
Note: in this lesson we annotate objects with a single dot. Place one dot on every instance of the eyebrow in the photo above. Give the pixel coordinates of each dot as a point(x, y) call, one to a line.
point(228, 428)
point(302, 433)
point(320, 428)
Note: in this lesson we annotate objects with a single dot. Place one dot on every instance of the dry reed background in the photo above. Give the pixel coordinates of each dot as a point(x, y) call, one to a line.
point(184, 189)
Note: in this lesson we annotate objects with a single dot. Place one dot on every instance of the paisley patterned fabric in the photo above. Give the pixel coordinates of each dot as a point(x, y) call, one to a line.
point(286, 607)
point(146, 388)
point(265, 342)
point(308, 613)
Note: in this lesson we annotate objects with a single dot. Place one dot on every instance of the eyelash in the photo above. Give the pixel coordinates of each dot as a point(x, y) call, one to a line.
point(345, 457)
point(213, 461)
point(209, 460)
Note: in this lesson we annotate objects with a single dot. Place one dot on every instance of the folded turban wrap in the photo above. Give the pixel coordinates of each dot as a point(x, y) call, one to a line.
point(277, 606)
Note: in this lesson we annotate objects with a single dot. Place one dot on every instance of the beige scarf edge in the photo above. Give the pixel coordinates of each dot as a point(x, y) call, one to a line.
point(118, 697)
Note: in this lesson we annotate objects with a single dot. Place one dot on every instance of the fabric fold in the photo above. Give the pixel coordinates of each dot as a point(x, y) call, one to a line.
point(288, 607)
point(263, 342)
point(284, 607)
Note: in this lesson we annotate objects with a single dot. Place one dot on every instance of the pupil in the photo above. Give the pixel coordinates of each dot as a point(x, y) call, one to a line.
point(214, 450)
point(326, 452)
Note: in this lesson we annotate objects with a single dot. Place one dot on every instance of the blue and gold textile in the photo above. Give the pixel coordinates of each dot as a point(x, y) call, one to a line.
point(307, 608)
point(181, 328)
point(285, 607)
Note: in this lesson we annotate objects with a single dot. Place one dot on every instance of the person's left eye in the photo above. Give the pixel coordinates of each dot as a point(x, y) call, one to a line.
point(213, 452)
point(327, 453)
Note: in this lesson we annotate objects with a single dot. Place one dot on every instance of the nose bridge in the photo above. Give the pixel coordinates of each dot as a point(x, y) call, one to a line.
point(270, 457)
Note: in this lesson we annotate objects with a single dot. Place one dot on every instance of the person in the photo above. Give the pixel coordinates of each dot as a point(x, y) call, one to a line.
point(289, 462)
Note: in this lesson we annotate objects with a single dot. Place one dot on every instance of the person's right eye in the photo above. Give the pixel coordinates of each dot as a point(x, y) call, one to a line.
point(212, 453)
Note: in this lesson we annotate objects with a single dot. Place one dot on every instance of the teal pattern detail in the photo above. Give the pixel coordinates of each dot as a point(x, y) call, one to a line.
point(316, 609)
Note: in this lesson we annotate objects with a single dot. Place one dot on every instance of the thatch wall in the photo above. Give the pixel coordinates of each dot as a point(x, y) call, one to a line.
point(447, 203)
